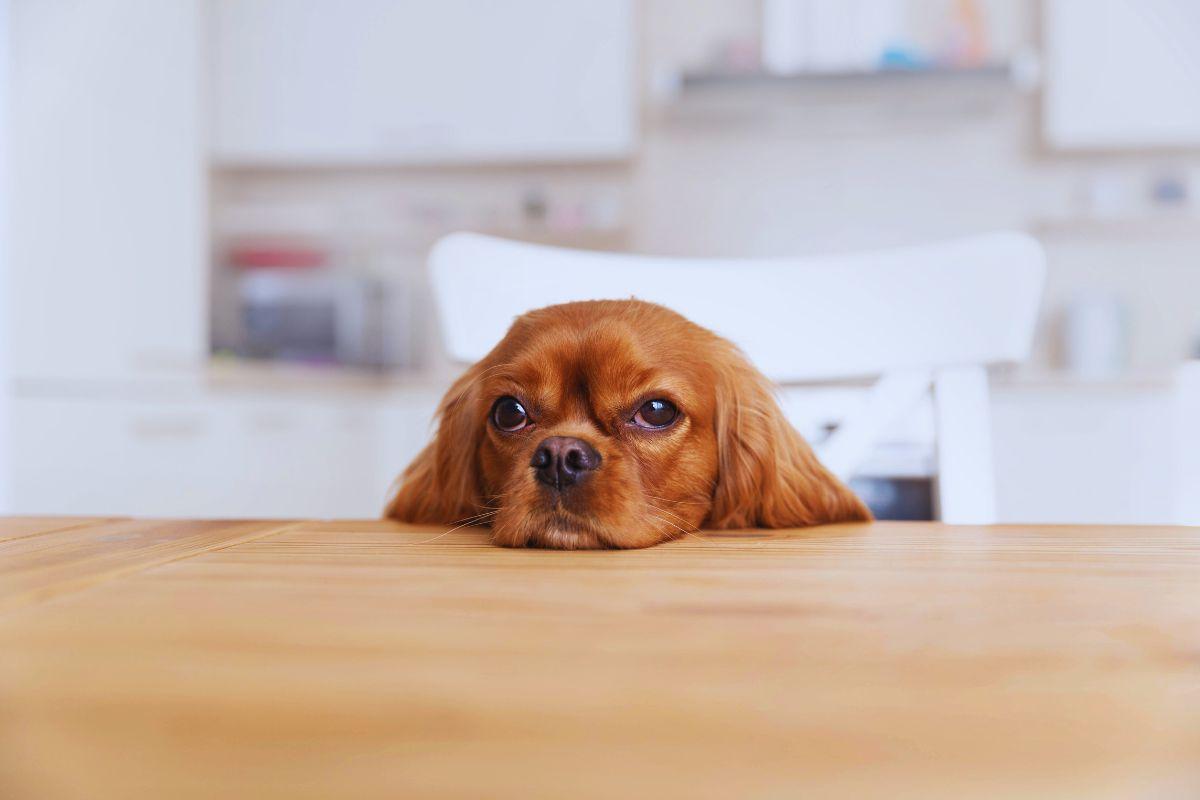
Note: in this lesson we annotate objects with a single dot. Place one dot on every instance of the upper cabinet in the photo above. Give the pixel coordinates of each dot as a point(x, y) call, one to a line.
point(379, 81)
point(106, 189)
point(1122, 74)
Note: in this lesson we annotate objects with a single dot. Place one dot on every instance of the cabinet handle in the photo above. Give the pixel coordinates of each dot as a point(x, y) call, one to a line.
point(166, 427)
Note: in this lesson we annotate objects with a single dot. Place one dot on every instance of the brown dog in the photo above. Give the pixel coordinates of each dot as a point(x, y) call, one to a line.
point(615, 423)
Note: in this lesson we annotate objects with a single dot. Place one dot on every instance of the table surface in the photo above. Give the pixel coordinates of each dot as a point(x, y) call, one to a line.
point(143, 658)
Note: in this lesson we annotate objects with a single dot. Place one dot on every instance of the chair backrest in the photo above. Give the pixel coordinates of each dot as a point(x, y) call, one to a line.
point(966, 302)
point(920, 318)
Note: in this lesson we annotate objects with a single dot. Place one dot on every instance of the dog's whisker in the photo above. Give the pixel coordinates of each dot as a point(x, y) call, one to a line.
point(470, 521)
point(669, 500)
point(679, 528)
point(665, 511)
point(467, 520)
point(684, 520)
point(475, 519)
point(684, 531)
point(676, 516)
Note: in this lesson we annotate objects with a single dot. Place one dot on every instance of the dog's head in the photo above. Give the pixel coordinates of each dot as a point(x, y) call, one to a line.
point(615, 424)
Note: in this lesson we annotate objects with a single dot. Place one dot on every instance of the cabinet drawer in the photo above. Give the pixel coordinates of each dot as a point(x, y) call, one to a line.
point(214, 458)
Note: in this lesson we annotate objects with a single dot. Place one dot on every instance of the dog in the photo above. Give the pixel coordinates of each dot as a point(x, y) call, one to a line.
point(615, 424)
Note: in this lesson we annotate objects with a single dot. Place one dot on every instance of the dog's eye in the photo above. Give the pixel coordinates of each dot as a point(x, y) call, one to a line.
point(509, 415)
point(656, 414)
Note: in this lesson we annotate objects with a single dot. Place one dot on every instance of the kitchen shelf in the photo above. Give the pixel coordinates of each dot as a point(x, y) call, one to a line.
point(1173, 225)
point(1001, 74)
point(1126, 380)
point(240, 374)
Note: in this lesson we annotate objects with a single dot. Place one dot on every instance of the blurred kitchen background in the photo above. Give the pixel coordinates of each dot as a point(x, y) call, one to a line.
point(215, 215)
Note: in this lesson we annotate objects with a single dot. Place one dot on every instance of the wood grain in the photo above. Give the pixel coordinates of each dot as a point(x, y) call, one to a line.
point(371, 659)
point(36, 566)
point(21, 527)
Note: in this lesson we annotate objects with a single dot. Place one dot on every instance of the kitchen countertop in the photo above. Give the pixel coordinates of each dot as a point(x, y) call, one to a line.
point(244, 376)
point(144, 658)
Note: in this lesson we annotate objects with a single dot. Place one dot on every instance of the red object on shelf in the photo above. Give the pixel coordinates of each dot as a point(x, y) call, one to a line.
point(259, 257)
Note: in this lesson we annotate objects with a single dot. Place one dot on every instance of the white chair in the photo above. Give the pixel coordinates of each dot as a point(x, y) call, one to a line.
point(916, 318)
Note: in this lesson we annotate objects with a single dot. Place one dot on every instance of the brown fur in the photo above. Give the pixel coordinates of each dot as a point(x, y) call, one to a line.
point(731, 460)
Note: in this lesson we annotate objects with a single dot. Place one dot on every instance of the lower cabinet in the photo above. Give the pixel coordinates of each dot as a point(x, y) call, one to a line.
point(220, 455)
point(1091, 453)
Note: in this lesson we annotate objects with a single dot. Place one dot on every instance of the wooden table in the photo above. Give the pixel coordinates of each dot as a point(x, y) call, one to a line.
point(370, 659)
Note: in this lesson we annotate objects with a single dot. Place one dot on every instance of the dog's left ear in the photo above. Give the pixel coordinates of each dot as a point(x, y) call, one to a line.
point(768, 475)
point(442, 484)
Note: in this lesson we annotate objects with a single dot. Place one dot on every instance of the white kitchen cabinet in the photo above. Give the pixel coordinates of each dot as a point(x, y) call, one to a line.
point(5, 330)
point(345, 81)
point(214, 454)
point(1122, 73)
point(106, 206)
point(1187, 445)
point(1070, 451)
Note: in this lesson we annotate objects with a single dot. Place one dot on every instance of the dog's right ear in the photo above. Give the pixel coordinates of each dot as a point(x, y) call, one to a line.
point(442, 484)
point(768, 475)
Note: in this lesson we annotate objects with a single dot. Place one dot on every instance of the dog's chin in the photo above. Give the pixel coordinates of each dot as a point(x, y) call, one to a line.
point(528, 516)
point(561, 537)
point(562, 530)
point(558, 530)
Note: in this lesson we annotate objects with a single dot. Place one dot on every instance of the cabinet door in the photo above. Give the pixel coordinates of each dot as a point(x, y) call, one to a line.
point(1187, 444)
point(203, 457)
point(452, 80)
point(1122, 73)
point(107, 200)
point(99, 456)
point(1083, 455)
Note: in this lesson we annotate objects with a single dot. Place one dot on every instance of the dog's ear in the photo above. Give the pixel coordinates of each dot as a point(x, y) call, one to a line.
point(442, 485)
point(768, 475)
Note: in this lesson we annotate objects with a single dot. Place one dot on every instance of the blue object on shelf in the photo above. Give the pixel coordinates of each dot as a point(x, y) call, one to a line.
point(900, 57)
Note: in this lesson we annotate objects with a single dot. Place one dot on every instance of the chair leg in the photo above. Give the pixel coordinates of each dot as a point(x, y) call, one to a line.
point(966, 487)
point(892, 396)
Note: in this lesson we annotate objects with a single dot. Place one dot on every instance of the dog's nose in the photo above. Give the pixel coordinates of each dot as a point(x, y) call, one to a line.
point(562, 461)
